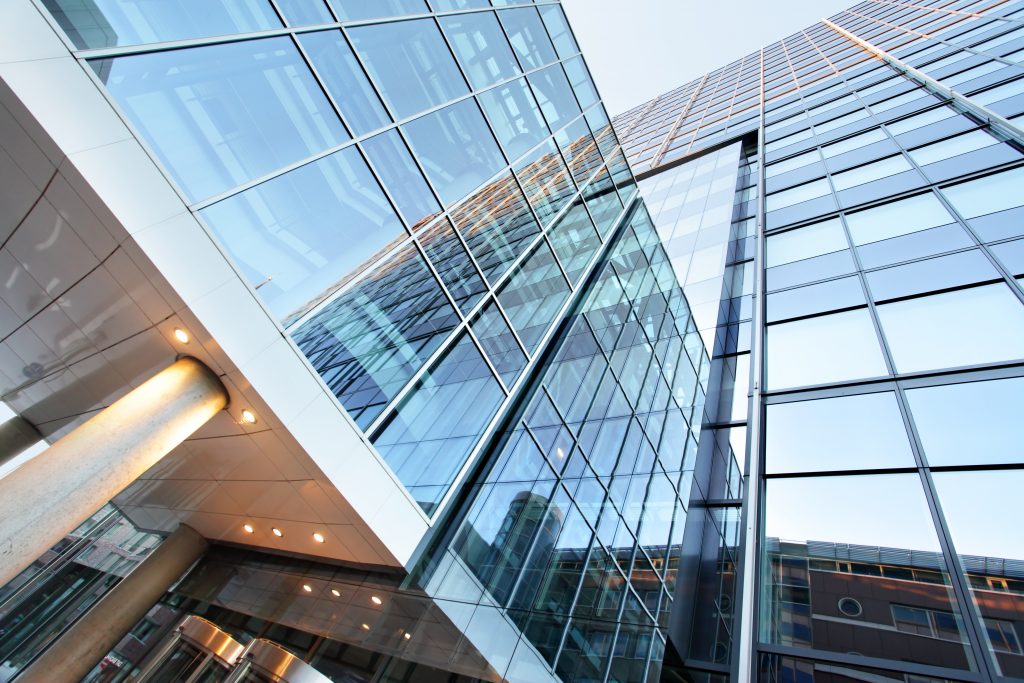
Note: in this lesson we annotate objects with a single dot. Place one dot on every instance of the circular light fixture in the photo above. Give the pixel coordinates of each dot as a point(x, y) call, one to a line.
point(366, 627)
point(277, 532)
point(407, 636)
point(377, 601)
point(335, 593)
point(306, 587)
point(181, 335)
point(248, 417)
point(318, 537)
point(248, 528)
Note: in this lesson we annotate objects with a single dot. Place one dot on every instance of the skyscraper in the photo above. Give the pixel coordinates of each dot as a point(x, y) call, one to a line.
point(364, 355)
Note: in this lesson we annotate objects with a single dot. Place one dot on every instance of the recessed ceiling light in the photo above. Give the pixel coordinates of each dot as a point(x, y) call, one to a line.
point(276, 532)
point(248, 528)
point(377, 601)
point(366, 627)
point(181, 335)
point(408, 636)
point(306, 587)
point(335, 593)
point(248, 417)
point(318, 537)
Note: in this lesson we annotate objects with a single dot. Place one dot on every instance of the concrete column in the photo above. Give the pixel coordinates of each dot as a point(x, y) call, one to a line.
point(50, 495)
point(84, 645)
point(16, 435)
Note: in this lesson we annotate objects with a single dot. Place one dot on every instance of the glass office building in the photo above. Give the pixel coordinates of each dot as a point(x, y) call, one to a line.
point(749, 414)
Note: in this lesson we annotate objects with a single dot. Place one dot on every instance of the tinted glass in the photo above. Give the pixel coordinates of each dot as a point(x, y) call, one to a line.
point(108, 23)
point(986, 195)
point(456, 148)
point(546, 181)
point(481, 47)
point(973, 423)
point(431, 434)
point(499, 343)
point(453, 264)
point(333, 60)
point(514, 116)
point(396, 168)
point(221, 115)
point(533, 295)
point(847, 433)
point(969, 326)
point(411, 63)
point(897, 218)
point(371, 9)
point(575, 240)
point(828, 348)
point(554, 95)
point(581, 82)
point(558, 29)
point(368, 342)
point(528, 36)
point(298, 234)
point(305, 12)
point(796, 245)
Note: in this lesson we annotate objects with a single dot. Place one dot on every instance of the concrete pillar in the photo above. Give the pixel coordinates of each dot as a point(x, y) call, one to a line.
point(50, 495)
point(84, 645)
point(16, 435)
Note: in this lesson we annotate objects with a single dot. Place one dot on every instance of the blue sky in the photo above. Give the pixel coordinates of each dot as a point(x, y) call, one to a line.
point(621, 39)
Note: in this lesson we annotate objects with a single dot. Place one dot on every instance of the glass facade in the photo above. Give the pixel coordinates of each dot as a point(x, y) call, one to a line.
point(751, 414)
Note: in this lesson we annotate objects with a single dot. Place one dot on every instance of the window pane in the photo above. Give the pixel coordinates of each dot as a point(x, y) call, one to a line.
point(558, 29)
point(575, 240)
point(814, 240)
point(856, 142)
point(514, 117)
point(870, 172)
point(431, 434)
point(368, 342)
point(978, 507)
point(533, 295)
point(581, 82)
point(444, 5)
point(221, 115)
point(546, 181)
point(305, 12)
point(554, 95)
point(456, 149)
point(987, 195)
point(795, 195)
point(411, 63)
point(392, 161)
point(860, 432)
point(371, 9)
point(603, 202)
point(528, 36)
point(580, 149)
point(497, 224)
point(826, 296)
point(296, 235)
point(453, 265)
point(345, 80)
point(961, 144)
point(973, 423)
point(965, 327)
point(897, 218)
point(109, 23)
point(827, 538)
point(499, 343)
point(481, 47)
point(792, 163)
point(828, 348)
point(920, 120)
point(920, 277)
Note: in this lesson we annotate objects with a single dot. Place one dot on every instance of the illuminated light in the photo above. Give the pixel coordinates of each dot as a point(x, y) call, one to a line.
point(560, 453)
point(366, 627)
point(335, 592)
point(377, 601)
point(408, 636)
point(276, 532)
point(248, 528)
point(248, 417)
point(181, 335)
point(306, 587)
point(318, 537)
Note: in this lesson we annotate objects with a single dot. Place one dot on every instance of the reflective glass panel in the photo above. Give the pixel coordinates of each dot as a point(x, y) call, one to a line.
point(965, 327)
point(859, 432)
point(987, 195)
point(575, 240)
point(451, 260)
point(870, 172)
point(221, 115)
point(396, 168)
point(828, 348)
point(796, 245)
point(411, 63)
point(499, 343)
point(897, 218)
point(978, 507)
point(533, 295)
point(558, 29)
point(972, 423)
point(299, 234)
point(920, 120)
point(528, 36)
point(515, 117)
point(579, 149)
point(603, 202)
point(546, 181)
point(368, 342)
point(581, 82)
point(371, 9)
point(856, 142)
point(109, 23)
point(868, 539)
point(432, 432)
point(951, 147)
point(555, 96)
point(481, 47)
point(795, 195)
point(305, 12)
point(456, 149)
point(345, 81)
